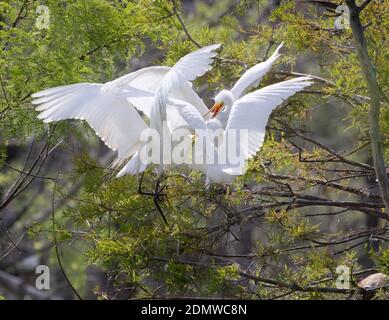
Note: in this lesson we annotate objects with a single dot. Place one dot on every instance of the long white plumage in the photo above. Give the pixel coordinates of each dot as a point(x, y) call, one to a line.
point(175, 81)
point(111, 109)
point(246, 115)
point(165, 94)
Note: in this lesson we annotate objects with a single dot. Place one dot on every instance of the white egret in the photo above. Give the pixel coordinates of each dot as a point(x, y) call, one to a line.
point(251, 78)
point(110, 108)
point(234, 111)
point(225, 99)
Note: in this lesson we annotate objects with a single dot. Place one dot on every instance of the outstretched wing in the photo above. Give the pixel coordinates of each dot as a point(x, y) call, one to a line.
point(149, 79)
point(253, 76)
point(113, 119)
point(177, 79)
point(252, 111)
point(188, 68)
point(146, 79)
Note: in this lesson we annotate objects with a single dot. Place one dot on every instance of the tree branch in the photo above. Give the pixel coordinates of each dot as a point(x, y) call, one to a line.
point(363, 5)
point(56, 241)
point(188, 35)
point(273, 282)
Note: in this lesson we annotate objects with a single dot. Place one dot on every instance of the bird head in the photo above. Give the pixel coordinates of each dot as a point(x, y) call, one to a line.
point(223, 99)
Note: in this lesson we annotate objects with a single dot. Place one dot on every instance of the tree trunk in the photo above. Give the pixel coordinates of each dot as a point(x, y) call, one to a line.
point(375, 100)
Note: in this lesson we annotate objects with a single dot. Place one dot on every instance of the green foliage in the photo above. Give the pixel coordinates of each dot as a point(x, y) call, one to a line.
point(116, 228)
point(382, 258)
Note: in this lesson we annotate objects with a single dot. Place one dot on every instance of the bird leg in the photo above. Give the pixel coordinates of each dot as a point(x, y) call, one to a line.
point(157, 195)
point(140, 191)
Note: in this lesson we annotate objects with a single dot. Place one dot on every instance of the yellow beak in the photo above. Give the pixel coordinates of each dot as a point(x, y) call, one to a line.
point(216, 108)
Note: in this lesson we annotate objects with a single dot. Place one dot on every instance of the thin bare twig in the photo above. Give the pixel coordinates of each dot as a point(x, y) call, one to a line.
point(178, 15)
point(56, 241)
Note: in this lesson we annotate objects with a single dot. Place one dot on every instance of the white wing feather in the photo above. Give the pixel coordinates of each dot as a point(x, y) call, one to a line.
point(147, 79)
point(252, 112)
point(106, 107)
point(177, 79)
point(150, 78)
point(189, 67)
point(253, 76)
point(133, 166)
point(190, 114)
point(116, 122)
point(186, 93)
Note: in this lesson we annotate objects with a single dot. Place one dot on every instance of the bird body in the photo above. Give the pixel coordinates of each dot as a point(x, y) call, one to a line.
point(111, 109)
point(242, 119)
point(236, 123)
